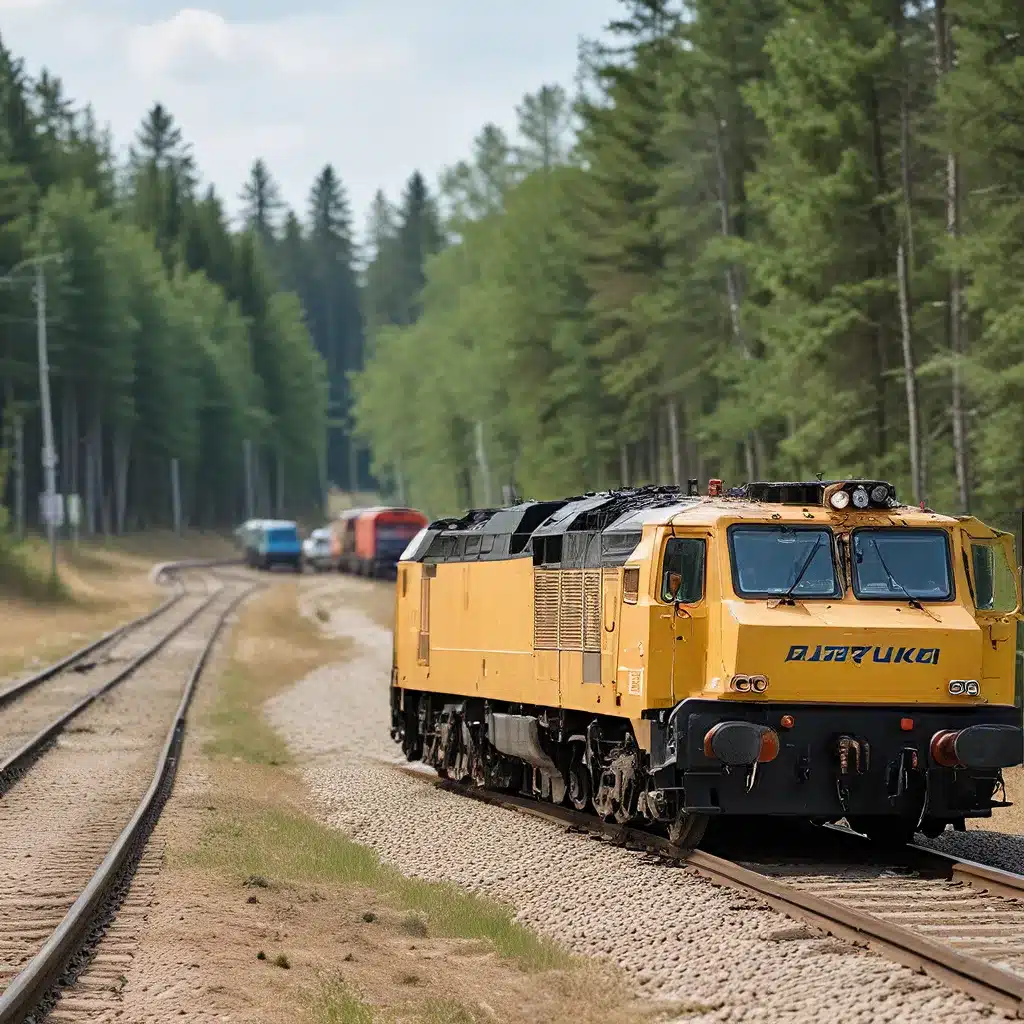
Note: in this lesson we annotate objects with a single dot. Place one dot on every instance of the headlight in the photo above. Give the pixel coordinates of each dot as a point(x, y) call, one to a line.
point(839, 500)
point(860, 498)
point(964, 687)
point(746, 684)
point(879, 494)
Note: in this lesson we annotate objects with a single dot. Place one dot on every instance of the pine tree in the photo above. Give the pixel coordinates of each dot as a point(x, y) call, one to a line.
point(545, 120)
point(332, 304)
point(163, 179)
point(418, 238)
point(261, 202)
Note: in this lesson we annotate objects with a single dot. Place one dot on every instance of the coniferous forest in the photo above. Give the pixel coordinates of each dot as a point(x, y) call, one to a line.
point(766, 239)
point(756, 239)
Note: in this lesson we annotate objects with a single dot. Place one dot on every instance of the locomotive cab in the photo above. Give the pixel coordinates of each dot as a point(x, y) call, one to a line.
point(858, 663)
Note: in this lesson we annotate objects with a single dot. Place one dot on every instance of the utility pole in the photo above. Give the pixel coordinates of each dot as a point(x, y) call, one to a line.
point(49, 454)
point(176, 495)
point(19, 475)
point(247, 455)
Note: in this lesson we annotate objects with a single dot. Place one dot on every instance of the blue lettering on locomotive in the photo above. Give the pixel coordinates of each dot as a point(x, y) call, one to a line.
point(879, 655)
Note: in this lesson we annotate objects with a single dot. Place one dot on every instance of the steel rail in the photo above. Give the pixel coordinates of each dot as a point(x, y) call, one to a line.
point(972, 975)
point(24, 685)
point(165, 569)
point(38, 977)
point(17, 761)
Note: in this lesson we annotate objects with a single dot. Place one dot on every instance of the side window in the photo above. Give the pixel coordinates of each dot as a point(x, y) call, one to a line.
point(486, 543)
point(995, 587)
point(683, 567)
point(472, 547)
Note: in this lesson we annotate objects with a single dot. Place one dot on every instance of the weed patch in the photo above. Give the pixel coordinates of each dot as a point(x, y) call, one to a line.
point(272, 648)
point(25, 574)
point(336, 1003)
point(284, 847)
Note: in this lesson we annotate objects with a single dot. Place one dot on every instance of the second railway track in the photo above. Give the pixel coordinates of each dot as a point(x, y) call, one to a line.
point(64, 819)
point(958, 921)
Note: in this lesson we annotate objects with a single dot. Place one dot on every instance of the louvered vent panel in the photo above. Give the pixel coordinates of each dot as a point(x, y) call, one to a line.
point(592, 610)
point(570, 611)
point(545, 609)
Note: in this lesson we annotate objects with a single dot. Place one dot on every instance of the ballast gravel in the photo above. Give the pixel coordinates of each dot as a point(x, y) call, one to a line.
point(726, 956)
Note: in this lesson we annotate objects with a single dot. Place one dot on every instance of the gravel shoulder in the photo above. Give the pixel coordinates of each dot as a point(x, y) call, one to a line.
point(725, 956)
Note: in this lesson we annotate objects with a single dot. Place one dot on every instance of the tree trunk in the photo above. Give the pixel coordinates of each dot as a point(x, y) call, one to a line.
point(76, 442)
point(482, 465)
point(279, 479)
point(90, 483)
point(909, 372)
point(624, 464)
point(881, 266)
point(904, 268)
point(955, 315)
point(672, 415)
point(101, 491)
point(734, 292)
point(122, 445)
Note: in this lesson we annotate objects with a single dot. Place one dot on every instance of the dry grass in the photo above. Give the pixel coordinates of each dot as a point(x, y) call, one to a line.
point(101, 587)
point(287, 848)
point(272, 648)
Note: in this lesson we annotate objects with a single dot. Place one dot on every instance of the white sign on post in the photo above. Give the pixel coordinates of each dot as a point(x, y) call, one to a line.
point(52, 510)
point(74, 509)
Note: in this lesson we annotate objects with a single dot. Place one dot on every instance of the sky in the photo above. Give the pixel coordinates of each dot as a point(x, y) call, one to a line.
point(376, 87)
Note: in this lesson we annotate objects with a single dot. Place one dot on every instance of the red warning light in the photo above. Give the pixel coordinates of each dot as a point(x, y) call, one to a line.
point(714, 488)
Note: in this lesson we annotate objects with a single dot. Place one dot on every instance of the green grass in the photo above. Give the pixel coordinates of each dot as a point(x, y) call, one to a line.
point(24, 572)
point(240, 729)
point(337, 1004)
point(285, 847)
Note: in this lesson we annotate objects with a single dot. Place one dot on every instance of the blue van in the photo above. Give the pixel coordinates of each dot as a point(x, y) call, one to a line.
point(270, 542)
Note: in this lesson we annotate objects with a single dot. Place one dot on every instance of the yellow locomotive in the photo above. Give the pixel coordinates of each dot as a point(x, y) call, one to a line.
point(813, 650)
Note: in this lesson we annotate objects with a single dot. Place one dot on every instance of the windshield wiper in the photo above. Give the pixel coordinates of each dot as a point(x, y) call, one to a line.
point(787, 598)
point(912, 601)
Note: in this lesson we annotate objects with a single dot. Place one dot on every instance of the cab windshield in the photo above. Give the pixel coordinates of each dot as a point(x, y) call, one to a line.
point(895, 562)
point(770, 561)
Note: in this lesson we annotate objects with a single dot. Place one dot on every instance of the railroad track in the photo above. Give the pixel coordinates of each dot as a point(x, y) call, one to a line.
point(959, 921)
point(34, 711)
point(76, 823)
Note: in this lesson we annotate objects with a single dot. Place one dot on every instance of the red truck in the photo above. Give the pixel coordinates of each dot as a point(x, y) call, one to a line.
point(381, 535)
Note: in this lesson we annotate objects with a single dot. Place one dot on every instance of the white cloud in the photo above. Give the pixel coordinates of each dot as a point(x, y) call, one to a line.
point(308, 48)
point(25, 5)
point(376, 87)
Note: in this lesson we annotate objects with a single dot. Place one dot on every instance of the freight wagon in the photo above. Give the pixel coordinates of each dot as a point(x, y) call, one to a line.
point(343, 534)
point(380, 536)
point(799, 650)
point(270, 542)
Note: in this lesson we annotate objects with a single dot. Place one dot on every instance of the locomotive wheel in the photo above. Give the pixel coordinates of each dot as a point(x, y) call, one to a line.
point(579, 784)
point(687, 830)
point(888, 831)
